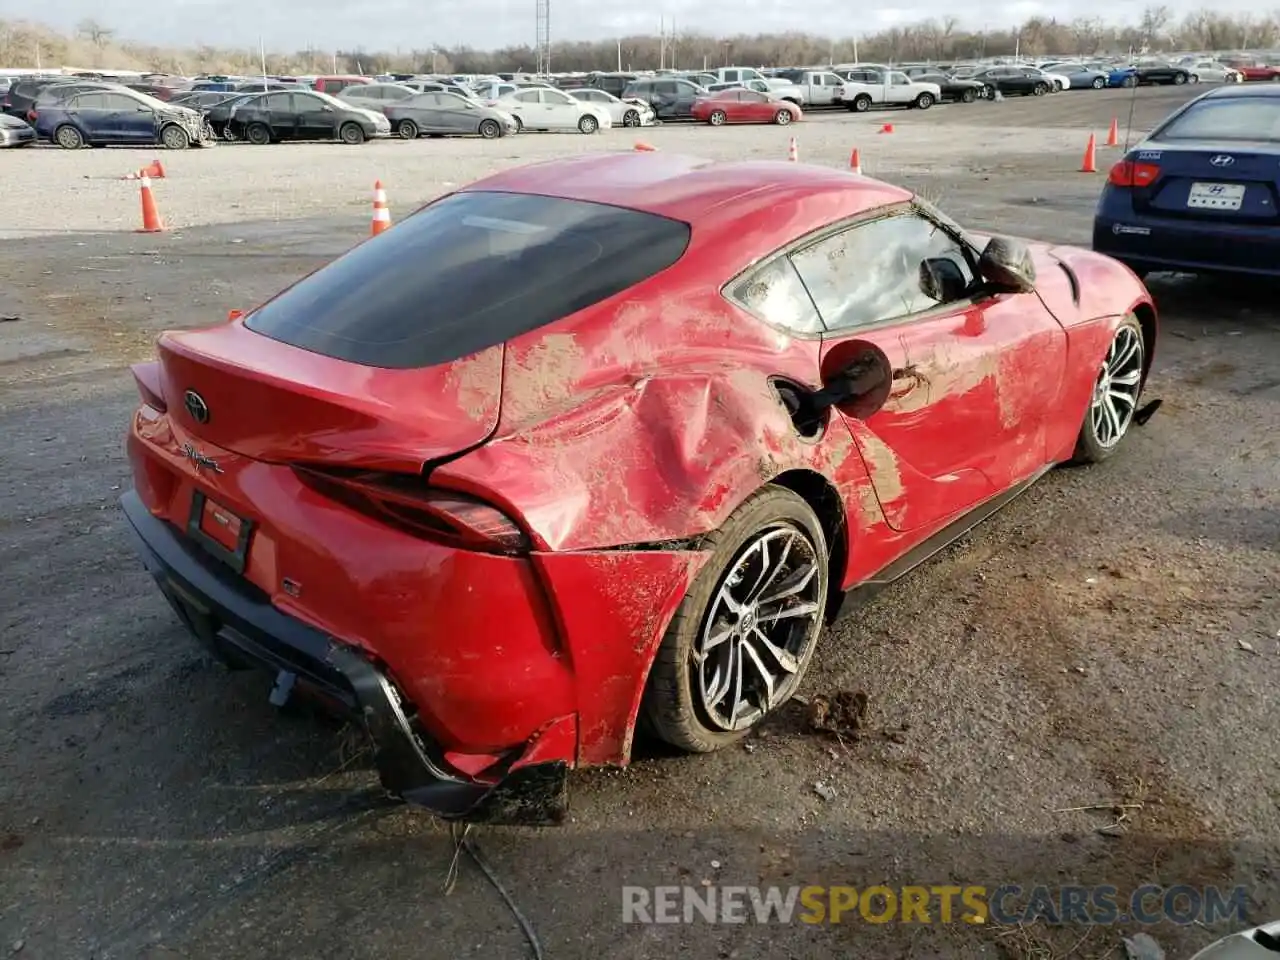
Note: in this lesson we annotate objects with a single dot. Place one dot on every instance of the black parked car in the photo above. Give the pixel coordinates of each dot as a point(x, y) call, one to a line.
point(671, 98)
point(1026, 81)
point(613, 83)
point(1161, 73)
point(965, 91)
point(218, 116)
point(22, 93)
point(305, 115)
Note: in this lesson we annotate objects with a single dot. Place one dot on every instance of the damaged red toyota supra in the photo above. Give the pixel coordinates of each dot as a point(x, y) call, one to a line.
point(606, 442)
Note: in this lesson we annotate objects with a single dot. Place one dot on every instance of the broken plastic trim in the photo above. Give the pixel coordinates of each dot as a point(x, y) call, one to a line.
point(238, 623)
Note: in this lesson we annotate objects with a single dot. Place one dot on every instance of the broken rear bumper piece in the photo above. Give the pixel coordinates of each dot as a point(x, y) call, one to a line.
point(240, 626)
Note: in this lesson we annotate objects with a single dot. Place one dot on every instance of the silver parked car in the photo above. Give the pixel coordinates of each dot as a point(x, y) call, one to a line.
point(375, 96)
point(15, 132)
point(447, 114)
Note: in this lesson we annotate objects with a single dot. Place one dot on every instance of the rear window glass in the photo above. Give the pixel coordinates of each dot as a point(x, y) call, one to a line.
point(467, 272)
point(1229, 118)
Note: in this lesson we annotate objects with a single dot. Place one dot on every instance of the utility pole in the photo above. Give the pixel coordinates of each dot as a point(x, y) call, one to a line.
point(544, 37)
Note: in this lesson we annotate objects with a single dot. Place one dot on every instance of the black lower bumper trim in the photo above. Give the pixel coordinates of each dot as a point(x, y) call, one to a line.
point(238, 623)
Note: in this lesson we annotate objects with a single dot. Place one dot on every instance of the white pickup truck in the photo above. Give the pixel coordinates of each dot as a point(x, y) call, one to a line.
point(893, 88)
point(819, 88)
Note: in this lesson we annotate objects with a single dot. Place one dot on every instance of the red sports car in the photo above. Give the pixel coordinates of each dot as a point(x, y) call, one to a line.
point(604, 440)
point(739, 105)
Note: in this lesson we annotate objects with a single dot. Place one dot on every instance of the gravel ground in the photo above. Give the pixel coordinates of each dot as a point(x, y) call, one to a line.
point(1111, 637)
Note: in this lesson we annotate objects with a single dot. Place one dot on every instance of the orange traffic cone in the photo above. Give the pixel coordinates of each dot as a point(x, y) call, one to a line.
point(644, 147)
point(887, 128)
point(1113, 135)
point(150, 215)
point(793, 151)
point(855, 162)
point(1090, 163)
point(154, 170)
point(381, 213)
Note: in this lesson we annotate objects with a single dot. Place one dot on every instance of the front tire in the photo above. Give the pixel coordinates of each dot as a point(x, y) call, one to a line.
point(782, 117)
point(351, 134)
point(740, 642)
point(861, 103)
point(631, 118)
point(1129, 82)
point(259, 134)
point(1116, 393)
point(588, 124)
point(1040, 89)
point(407, 130)
point(969, 96)
point(1099, 83)
point(1195, 78)
point(924, 101)
point(1179, 79)
point(490, 130)
point(174, 137)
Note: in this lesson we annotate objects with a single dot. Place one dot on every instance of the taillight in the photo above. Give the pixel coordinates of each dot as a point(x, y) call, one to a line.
point(150, 385)
point(1129, 173)
point(406, 503)
point(31, 116)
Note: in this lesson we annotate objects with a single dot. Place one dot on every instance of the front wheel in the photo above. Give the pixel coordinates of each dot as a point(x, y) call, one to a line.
point(782, 117)
point(1194, 78)
point(519, 125)
point(588, 124)
point(490, 130)
point(717, 118)
point(1129, 82)
point(741, 640)
point(408, 130)
point(1040, 89)
point(924, 101)
point(174, 137)
point(259, 135)
point(1099, 83)
point(968, 96)
point(861, 103)
point(631, 118)
point(1115, 396)
point(351, 134)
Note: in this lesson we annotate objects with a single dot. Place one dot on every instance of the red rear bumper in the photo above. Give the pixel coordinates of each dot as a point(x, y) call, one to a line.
point(503, 663)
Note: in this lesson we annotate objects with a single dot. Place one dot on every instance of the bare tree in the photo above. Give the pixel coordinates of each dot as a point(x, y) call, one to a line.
point(95, 32)
point(1155, 20)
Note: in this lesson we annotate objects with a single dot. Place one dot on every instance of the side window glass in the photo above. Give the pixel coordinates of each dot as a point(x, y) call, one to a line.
point(873, 271)
point(776, 295)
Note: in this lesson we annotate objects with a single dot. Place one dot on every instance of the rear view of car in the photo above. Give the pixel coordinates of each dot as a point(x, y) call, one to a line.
point(1202, 193)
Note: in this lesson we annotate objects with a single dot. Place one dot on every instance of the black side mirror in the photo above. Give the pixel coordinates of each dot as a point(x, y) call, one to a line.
point(1007, 267)
point(942, 280)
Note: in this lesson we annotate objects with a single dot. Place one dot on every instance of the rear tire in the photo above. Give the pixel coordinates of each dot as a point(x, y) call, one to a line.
point(407, 130)
point(1129, 82)
point(717, 118)
point(68, 137)
point(1108, 419)
point(675, 701)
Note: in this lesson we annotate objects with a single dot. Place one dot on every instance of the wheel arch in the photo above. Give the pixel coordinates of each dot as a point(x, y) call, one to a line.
point(826, 503)
point(1146, 314)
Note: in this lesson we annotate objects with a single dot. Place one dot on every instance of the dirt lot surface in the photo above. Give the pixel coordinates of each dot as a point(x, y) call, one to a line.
point(1112, 638)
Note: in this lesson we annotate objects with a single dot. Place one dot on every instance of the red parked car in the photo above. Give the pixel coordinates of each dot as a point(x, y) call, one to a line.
point(1252, 70)
point(739, 105)
point(616, 449)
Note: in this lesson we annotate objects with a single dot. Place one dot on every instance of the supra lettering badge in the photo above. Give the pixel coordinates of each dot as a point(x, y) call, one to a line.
point(201, 461)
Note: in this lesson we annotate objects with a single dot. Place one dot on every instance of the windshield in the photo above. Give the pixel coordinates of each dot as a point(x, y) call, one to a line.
point(329, 99)
point(1228, 118)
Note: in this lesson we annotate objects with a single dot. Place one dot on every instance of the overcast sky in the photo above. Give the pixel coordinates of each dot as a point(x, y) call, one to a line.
point(294, 24)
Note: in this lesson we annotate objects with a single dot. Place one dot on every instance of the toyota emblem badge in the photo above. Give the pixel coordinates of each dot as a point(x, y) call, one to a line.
point(196, 406)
